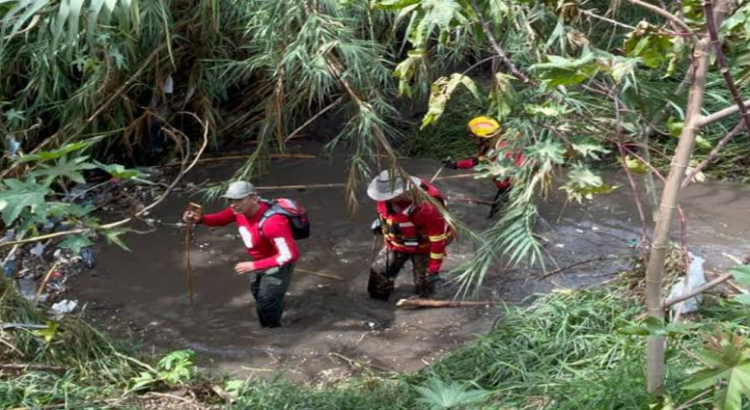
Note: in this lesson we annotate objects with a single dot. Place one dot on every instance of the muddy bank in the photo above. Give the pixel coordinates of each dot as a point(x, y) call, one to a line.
point(331, 327)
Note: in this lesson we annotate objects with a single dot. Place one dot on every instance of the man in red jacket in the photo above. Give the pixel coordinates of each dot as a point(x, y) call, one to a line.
point(412, 231)
point(483, 130)
point(270, 246)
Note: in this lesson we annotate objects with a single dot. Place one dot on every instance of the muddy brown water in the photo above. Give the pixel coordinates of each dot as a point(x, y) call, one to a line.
point(331, 328)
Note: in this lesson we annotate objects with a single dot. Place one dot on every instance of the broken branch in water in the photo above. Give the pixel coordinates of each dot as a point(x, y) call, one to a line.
point(310, 186)
point(232, 157)
point(563, 269)
point(44, 282)
point(428, 303)
point(470, 200)
point(321, 274)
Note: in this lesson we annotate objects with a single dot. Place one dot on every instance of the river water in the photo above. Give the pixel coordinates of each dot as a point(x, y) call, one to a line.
point(331, 328)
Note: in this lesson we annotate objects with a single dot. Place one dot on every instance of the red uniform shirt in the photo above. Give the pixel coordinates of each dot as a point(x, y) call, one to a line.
point(273, 248)
point(469, 163)
point(420, 228)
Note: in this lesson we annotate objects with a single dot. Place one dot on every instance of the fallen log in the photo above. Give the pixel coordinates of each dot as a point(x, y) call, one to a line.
point(429, 303)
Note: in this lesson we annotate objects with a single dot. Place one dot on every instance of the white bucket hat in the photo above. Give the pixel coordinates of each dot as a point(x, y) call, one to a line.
point(384, 187)
point(239, 190)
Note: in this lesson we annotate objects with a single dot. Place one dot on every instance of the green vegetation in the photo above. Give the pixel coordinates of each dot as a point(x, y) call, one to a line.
point(568, 350)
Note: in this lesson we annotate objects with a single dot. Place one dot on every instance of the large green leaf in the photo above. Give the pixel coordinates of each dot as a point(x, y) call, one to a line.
point(60, 152)
point(65, 168)
point(584, 184)
point(727, 368)
point(18, 195)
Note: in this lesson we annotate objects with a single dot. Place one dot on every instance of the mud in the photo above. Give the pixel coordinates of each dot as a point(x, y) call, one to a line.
point(332, 328)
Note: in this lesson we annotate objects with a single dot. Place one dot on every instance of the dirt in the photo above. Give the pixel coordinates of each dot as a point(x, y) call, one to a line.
point(331, 328)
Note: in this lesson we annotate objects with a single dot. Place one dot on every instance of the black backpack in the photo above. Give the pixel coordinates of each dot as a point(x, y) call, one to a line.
point(292, 211)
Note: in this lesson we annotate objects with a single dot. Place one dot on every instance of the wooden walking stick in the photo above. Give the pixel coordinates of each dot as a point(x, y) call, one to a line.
point(437, 174)
point(188, 239)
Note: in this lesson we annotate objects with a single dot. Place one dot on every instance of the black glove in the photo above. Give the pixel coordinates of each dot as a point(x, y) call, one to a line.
point(377, 227)
point(450, 164)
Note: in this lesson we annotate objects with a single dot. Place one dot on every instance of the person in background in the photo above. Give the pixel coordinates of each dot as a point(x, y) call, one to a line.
point(415, 232)
point(268, 241)
point(482, 131)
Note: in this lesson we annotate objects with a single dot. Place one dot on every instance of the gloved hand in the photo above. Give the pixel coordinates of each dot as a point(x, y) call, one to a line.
point(450, 164)
point(191, 216)
point(377, 227)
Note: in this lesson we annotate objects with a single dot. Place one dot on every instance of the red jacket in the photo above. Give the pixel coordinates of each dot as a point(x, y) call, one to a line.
point(273, 248)
point(469, 163)
point(420, 228)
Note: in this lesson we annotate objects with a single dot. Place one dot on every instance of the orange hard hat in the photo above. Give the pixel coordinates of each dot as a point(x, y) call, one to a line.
point(484, 127)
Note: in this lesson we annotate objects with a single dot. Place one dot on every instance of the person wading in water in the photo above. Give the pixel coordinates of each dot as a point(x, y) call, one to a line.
point(412, 231)
point(483, 130)
point(269, 241)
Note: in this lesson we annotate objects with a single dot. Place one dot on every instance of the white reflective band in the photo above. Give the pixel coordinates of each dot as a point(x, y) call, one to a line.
point(284, 254)
point(406, 224)
point(247, 237)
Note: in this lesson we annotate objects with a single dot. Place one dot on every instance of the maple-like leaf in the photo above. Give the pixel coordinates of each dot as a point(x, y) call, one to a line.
point(65, 168)
point(17, 195)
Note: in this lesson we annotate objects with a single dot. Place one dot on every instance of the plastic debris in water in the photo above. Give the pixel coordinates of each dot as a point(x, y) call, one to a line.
point(37, 250)
point(88, 257)
point(9, 267)
point(64, 307)
point(10, 235)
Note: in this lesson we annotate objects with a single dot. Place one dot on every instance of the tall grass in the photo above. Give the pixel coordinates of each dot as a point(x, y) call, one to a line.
point(564, 351)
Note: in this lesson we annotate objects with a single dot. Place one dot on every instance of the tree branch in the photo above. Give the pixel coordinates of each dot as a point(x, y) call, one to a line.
point(697, 291)
point(720, 115)
point(716, 42)
point(711, 157)
point(498, 50)
point(667, 15)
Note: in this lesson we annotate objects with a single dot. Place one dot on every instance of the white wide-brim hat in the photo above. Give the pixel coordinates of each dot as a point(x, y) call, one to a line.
point(384, 187)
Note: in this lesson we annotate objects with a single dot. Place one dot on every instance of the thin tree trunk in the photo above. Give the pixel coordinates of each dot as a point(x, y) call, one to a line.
point(669, 200)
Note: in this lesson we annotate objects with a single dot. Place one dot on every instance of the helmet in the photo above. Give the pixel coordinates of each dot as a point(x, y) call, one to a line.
point(484, 127)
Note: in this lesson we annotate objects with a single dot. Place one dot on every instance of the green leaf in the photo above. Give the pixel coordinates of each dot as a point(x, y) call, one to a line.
point(75, 243)
point(442, 89)
point(502, 97)
point(589, 148)
point(18, 195)
point(648, 44)
point(741, 274)
point(547, 150)
point(65, 168)
point(62, 151)
point(120, 172)
point(584, 184)
point(564, 71)
point(113, 236)
point(47, 333)
point(393, 4)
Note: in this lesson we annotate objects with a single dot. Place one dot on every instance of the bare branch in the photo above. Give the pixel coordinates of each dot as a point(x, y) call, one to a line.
point(716, 42)
point(711, 155)
point(498, 50)
point(697, 291)
point(720, 115)
point(667, 15)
